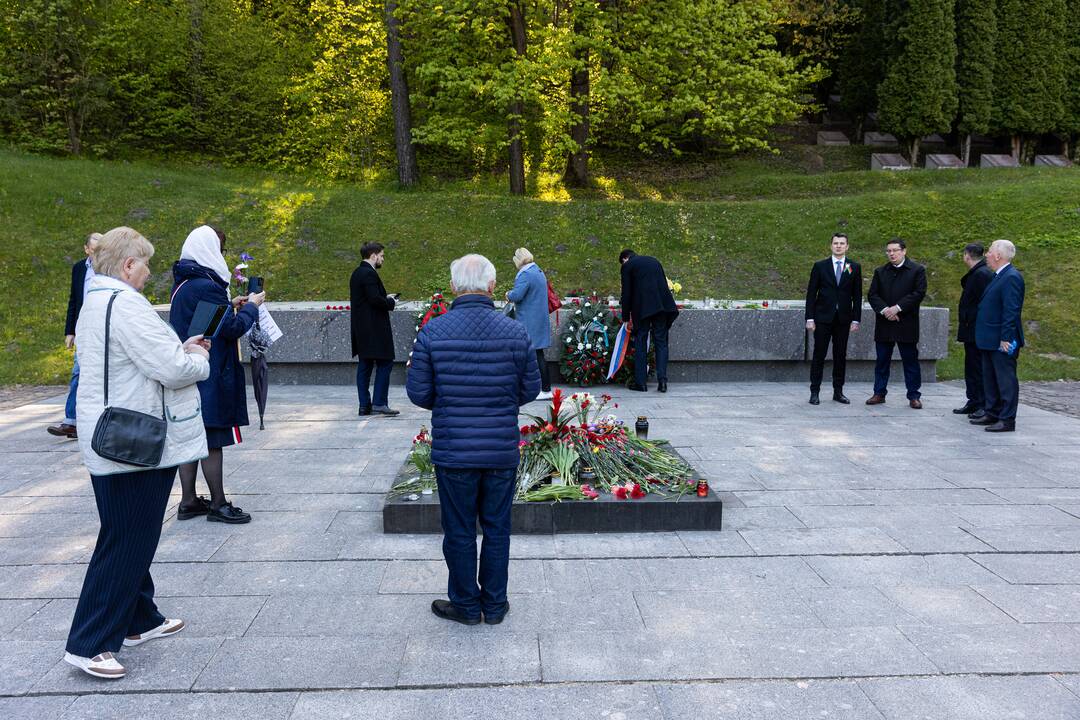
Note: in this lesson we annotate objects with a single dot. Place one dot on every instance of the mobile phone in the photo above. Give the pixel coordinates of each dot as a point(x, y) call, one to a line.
point(255, 285)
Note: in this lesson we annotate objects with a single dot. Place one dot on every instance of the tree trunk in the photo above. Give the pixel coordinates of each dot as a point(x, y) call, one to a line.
point(517, 107)
point(1017, 145)
point(407, 168)
point(965, 149)
point(912, 147)
point(860, 129)
point(577, 162)
point(195, 37)
point(74, 129)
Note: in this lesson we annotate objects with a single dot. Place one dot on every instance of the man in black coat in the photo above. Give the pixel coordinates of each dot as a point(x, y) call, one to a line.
point(833, 310)
point(372, 337)
point(896, 292)
point(649, 307)
point(973, 286)
point(81, 273)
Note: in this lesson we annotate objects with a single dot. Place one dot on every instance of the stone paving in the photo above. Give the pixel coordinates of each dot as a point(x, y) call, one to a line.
point(876, 563)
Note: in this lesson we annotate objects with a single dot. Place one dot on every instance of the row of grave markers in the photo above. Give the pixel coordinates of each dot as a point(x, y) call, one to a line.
point(934, 161)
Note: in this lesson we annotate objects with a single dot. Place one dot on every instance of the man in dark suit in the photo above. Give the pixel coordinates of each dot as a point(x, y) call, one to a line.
point(896, 292)
point(649, 307)
point(973, 285)
point(81, 274)
point(833, 310)
point(999, 333)
point(372, 336)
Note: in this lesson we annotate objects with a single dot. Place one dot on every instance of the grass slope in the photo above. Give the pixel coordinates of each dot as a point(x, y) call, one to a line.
point(737, 229)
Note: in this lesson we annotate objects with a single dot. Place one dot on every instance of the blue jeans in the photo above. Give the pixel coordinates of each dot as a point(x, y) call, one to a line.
point(73, 389)
point(909, 354)
point(463, 495)
point(382, 370)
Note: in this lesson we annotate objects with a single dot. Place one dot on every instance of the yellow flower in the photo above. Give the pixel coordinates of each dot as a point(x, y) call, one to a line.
point(677, 287)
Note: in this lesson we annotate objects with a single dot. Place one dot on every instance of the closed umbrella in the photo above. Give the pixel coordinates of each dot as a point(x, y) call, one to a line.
point(259, 342)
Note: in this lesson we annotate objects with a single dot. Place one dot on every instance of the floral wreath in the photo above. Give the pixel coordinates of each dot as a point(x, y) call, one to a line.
point(586, 340)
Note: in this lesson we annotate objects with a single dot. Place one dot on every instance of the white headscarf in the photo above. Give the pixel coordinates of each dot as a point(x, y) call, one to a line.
point(204, 247)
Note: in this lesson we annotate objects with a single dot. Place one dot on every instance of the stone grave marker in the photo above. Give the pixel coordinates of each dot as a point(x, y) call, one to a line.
point(879, 139)
point(1052, 161)
point(989, 160)
point(888, 161)
point(943, 161)
point(832, 137)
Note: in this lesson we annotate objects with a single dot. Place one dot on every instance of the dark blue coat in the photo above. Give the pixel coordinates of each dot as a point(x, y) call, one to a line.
point(224, 397)
point(473, 368)
point(999, 311)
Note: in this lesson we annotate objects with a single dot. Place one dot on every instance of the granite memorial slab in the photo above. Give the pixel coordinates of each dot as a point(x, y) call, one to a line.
point(832, 137)
point(944, 161)
point(992, 160)
point(889, 161)
point(1052, 161)
point(879, 139)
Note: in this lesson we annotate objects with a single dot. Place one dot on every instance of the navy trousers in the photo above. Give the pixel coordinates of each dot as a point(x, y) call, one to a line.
point(973, 374)
point(657, 327)
point(1000, 386)
point(909, 354)
point(464, 496)
point(381, 393)
point(117, 598)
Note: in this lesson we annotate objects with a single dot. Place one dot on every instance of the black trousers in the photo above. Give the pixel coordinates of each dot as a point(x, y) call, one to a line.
point(545, 374)
point(117, 597)
point(1001, 388)
point(656, 327)
point(824, 333)
point(973, 374)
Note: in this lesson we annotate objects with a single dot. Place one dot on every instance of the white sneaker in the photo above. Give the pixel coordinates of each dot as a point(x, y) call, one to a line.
point(544, 396)
point(171, 626)
point(100, 666)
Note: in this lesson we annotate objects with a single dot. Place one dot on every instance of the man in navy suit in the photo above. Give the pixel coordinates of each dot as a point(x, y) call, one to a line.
point(833, 311)
point(649, 307)
point(999, 333)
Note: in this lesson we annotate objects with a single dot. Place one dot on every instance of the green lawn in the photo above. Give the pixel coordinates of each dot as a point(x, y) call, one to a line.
point(743, 227)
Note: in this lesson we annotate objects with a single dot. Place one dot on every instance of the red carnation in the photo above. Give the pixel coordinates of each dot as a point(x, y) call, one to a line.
point(636, 492)
point(619, 491)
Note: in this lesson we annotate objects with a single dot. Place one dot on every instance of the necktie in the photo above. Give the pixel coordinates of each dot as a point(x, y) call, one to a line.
point(839, 271)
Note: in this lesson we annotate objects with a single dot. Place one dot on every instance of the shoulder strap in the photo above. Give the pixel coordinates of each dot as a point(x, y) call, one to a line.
point(173, 296)
point(108, 325)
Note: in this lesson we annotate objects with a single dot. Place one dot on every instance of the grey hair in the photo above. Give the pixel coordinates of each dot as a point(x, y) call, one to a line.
point(471, 273)
point(116, 246)
point(1005, 247)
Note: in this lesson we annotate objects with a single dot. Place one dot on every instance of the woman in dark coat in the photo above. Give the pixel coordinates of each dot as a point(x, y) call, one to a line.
point(202, 274)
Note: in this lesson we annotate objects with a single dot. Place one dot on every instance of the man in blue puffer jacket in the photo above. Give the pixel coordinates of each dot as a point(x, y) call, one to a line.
point(473, 368)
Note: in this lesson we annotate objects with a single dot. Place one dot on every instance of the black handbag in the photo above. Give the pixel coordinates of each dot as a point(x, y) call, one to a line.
point(123, 435)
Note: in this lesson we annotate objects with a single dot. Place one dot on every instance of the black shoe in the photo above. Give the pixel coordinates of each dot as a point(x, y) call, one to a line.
point(984, 420)
point(446, 610)
point(635, 387)
point(661, 385)
point(201, 506)
point(63, 430)
point(814, 399)
point(977, 415)
point(364, 410)
point(384, 410)
point(968, 409)
point(228, 514)
point(496, 619)
point(1002, 426)
point(839, 397)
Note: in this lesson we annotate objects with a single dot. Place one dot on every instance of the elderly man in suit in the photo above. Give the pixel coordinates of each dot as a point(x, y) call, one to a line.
point(973, 285)
point(999, 333)
point(649, 307)
point(896, 293)
point(833, 310)
point(372, 336)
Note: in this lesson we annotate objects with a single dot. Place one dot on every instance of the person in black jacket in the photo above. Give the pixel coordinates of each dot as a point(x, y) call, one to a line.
point(372, 336)
point(896, 292)
point(973, 286)
point(833, 310)
point(649, 307)
point(81, 274)
point(202, 274)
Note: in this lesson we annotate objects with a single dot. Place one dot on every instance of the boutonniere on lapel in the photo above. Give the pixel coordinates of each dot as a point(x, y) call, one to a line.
point(847, 267)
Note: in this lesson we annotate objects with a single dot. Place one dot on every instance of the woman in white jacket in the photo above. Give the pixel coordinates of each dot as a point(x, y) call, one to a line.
point(150, 371)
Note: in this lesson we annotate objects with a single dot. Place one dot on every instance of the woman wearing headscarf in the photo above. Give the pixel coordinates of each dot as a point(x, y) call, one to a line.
point(530, 298)
point(202, 274)
point(131, 360)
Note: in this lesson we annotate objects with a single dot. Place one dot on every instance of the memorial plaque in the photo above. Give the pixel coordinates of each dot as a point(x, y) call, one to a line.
point(879, 139)
point(889, 161)
point(1052, 161)
point(944, 161)
point(997, 161)
point(832, 137)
